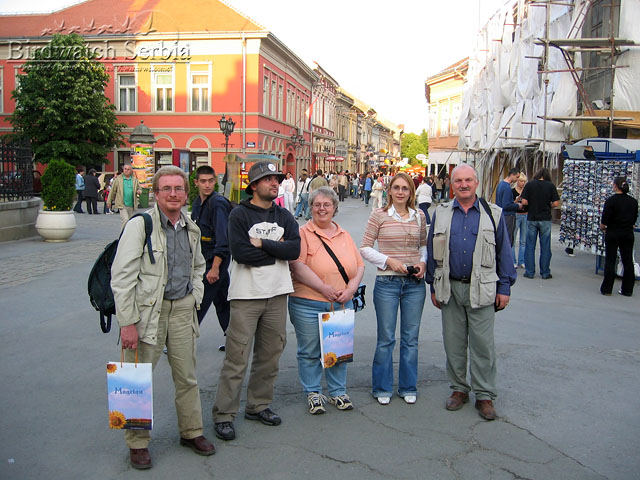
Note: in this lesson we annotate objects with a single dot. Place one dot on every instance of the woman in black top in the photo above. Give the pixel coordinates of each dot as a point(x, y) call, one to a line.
point(618, 217)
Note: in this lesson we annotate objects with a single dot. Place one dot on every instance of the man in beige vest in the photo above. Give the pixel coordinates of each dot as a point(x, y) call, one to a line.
point(471, 271)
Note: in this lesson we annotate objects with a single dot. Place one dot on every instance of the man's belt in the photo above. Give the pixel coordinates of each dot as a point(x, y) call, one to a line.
point(461, 279)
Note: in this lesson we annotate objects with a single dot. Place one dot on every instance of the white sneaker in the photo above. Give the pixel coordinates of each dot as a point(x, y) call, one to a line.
point(316, 403)
point(383, 400)
point(410, 399)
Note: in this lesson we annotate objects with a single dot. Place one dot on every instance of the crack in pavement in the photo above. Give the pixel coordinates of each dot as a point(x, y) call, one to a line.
point(552, 447)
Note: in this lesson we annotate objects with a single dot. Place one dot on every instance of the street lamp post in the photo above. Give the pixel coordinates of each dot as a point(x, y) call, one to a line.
point(226, 126)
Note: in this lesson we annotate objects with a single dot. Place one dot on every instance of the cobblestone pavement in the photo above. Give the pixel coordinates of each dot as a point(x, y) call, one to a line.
point(24, 268)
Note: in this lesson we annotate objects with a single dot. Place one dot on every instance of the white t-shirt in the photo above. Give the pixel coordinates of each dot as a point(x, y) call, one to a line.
point(423, 193)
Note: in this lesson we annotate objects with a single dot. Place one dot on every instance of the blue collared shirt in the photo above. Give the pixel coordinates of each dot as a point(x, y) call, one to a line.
point(462, 243)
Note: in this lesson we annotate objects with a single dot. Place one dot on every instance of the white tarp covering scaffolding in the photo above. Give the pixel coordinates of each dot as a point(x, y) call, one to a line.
point(626, 84)
point(504, 95)
point(504, 99)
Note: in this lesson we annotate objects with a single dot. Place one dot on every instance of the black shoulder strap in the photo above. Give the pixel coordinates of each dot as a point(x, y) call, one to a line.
point(148, 230)
point(345, 277)
point(487, 209)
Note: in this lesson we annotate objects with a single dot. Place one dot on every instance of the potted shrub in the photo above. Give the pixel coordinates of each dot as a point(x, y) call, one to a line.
point(56, 221)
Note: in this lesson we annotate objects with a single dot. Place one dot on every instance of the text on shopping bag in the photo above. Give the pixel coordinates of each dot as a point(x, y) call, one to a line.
point(130, 394)
point(336, 336)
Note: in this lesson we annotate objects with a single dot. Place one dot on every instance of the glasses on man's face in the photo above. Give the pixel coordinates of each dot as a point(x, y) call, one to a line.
point(168, 190)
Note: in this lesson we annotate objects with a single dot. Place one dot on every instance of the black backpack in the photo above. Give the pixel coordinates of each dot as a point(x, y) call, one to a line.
point(99, 284)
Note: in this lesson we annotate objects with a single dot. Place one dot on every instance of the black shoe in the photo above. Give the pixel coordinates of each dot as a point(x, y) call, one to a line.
point(266, 416)
point(527, 276)
point(623, 294)
point(224, 430)
point(547, 277)
point(222, 348)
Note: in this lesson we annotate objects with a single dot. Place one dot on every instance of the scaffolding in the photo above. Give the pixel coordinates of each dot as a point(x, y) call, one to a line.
point(530, 139)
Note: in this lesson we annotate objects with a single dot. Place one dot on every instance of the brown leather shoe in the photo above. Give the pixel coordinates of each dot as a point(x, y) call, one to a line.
point(457, 400)
point(140, 458)
point(200, 445)
point(486, 410)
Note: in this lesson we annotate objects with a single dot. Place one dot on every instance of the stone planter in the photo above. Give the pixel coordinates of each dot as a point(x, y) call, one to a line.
point(56, 226)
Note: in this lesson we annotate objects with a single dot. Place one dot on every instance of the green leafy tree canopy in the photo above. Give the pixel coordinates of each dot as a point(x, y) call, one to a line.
point(412, 144)
point(61, 106)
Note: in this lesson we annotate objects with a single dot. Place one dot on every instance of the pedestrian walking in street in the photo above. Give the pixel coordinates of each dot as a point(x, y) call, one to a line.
point(367, 187)
point(124, 193)
point(210, 211)
point(79, 189)
point(424, 199)
point(304, 183)
point(343, 184)
point(319, 287)
point(317, 182)
point(376, 192)
point(504, 199)
point(540, 196)
point(439, 185)
point(400, 231)
point(619, 215)
point(289, 186)
point(157, 302)
point(470, 271)
point(520, 232)
point(263, 238)
point(355, 185)
point(90, 194)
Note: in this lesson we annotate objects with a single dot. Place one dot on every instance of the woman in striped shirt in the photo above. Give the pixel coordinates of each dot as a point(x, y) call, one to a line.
point(400, 231)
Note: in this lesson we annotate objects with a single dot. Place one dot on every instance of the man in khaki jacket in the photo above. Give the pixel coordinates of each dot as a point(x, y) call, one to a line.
point(156, 305)
point(124, 192)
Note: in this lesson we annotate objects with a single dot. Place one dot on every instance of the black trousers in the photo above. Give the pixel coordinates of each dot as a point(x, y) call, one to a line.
point(92, 204)
point(216, 293)
point(341, 192)
point(618, 240)
point(510, 220)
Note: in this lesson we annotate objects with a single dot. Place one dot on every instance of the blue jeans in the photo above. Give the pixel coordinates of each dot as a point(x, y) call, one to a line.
point(537, 228)
point(389, 293)
point(520, 233)
point(303, 314)
point(303, 206)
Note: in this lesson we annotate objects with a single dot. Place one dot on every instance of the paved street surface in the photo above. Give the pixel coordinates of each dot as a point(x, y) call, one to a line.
point(568, 379)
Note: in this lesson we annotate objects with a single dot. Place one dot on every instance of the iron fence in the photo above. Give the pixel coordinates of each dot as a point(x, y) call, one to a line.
point(16, 172)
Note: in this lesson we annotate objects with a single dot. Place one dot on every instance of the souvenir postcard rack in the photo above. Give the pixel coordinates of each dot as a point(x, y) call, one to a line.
point(588, 181)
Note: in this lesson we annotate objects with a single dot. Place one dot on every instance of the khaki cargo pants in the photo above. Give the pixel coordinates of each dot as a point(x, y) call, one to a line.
point(263, 323)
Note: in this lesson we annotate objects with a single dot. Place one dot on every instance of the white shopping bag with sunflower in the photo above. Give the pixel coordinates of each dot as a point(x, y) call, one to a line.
point(130, 394)
point(336, 336)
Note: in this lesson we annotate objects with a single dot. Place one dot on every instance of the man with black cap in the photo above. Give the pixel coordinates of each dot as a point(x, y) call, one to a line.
point(263, 237)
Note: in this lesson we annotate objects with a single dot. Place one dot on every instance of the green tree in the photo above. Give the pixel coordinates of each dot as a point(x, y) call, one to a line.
point(412, 144)
point(61, 106)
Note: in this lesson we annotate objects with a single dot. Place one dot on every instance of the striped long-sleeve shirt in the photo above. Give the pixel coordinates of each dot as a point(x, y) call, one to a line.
point(404, 240)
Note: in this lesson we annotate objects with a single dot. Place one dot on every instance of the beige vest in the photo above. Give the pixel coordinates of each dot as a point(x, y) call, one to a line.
point(483, 272)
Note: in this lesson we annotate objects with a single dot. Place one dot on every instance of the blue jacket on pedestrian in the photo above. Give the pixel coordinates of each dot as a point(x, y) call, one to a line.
point(504, 199)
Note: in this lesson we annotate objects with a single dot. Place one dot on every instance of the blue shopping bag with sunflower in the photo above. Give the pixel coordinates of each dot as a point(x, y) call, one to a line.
point(336, 336)
point(130, 394)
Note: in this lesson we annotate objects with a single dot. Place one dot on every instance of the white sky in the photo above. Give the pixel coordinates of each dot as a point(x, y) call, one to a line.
point(380, 51)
